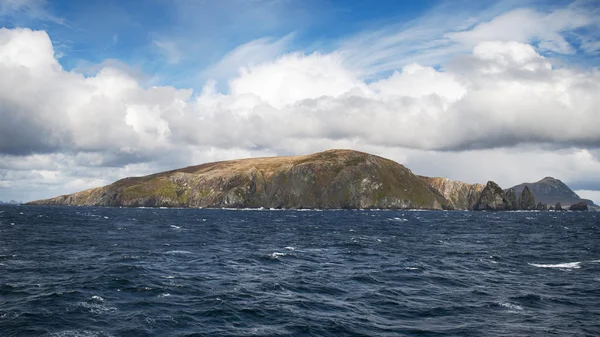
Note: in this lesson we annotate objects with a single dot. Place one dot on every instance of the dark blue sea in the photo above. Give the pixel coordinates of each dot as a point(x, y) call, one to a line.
point(79, 271)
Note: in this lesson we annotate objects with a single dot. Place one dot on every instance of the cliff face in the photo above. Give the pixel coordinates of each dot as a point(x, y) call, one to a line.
point(459, 195)
point(330, 179)
point(511, 200)
point(492, 198)
point(526, 200)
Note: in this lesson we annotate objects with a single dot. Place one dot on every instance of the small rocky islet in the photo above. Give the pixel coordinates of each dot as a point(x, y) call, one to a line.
point(333, 179)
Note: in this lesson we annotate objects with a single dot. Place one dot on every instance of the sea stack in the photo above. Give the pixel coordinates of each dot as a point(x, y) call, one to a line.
point(580, 206)
point(492, 198)
point(511, 200)
point(526, 200)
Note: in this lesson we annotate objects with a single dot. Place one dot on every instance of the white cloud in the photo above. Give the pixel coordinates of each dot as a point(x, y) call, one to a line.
point(449, 30)
point(296, 77)
point(418, 81)
point(528, 25)
point(504, 99)
point(246, 55)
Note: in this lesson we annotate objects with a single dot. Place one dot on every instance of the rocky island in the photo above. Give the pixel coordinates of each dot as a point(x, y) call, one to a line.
point(334, 179)
point(330, 179)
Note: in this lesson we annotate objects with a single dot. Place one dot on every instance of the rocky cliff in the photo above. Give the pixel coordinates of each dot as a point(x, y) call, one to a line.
point(526, 199)
point(511, 200)
point(580, 206)
point(330, 179)
point(492, 198)
point(458, 194)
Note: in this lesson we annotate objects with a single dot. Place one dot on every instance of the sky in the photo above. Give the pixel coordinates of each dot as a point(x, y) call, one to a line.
point(95, 91)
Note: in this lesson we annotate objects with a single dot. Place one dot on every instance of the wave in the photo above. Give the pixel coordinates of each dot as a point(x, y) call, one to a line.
point(276, 255)
point(177, 252)
point(510, 306)
point(568, 265)
point(78, 333)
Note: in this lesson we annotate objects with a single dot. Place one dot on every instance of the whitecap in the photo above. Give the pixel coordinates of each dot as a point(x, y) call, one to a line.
point(511, 306)
point(176, 227)
point(97, 298)
point(290, 248)
point(78, 333)
point(276, 255)
point(568, 265)
point(97, 308)
point(173, 252)
point(164, 295)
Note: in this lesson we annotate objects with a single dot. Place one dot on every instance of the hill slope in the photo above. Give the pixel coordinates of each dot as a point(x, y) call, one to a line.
point(550, 191)
point(330, 179)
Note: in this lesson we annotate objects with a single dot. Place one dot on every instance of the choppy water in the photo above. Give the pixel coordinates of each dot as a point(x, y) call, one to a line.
point(187, 272)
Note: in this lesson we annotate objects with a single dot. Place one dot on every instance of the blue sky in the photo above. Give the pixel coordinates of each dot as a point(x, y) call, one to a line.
point(93, 91)
point(175, 42)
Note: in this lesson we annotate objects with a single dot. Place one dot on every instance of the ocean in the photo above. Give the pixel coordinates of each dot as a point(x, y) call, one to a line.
point(86, 271)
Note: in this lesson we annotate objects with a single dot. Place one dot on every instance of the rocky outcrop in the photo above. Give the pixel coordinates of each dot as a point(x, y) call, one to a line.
point(551, 191)
point(558, 207)
point(492, 198)
point(541, 207)
point(580, 206)
point(458, 194)
point(511, 200)
point(330, 179)
point(526, 199)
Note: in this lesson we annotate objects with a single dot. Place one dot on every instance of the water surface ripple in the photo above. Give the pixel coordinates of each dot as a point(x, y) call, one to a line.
point(79, 271)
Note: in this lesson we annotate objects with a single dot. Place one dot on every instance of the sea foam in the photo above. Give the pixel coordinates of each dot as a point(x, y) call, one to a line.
point(568, 265)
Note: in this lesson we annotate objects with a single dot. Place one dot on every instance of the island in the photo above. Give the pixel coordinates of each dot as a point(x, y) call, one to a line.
point(333, 179)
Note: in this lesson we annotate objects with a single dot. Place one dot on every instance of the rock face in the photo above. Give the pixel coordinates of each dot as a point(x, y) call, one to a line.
point(551, 191)
point(330, 179)
point(511, 200)
point(526, 199)
point(492, 198)
point(458, 194)
point(580, 206)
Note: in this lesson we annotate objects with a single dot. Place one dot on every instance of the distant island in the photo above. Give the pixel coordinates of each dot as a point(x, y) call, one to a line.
point(333, 179)
point(12, 202)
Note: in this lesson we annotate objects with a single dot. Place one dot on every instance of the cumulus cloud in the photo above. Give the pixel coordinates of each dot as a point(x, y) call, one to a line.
point(501, 95)
point(248, 54)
